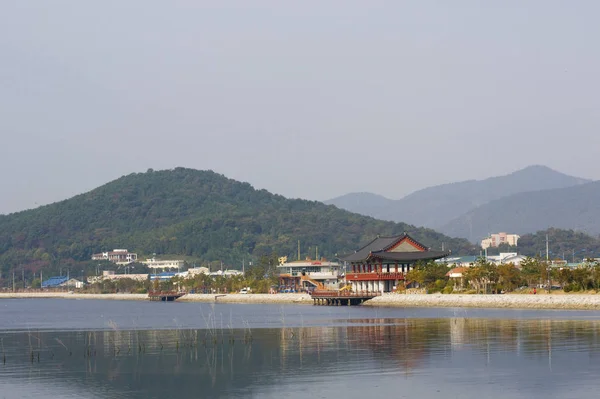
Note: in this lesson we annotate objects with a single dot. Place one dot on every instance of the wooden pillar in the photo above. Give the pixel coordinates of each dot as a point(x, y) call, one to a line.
point(396, 268)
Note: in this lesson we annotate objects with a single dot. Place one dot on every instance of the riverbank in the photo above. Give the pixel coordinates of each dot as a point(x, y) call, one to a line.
point(226, 298)
point(513, 301)
point(67, 295)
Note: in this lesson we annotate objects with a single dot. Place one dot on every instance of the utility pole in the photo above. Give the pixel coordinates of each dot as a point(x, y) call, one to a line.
point(13, 281)
point(548, 264)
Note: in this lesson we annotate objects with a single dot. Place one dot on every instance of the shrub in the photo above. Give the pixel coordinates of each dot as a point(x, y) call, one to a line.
point(573, 287)
point(448, 290)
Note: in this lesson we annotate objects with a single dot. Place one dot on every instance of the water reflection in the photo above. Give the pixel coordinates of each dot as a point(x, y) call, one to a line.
point(367, 356)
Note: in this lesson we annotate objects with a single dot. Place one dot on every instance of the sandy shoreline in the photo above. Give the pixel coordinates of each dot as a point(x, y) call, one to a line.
point(575, 301)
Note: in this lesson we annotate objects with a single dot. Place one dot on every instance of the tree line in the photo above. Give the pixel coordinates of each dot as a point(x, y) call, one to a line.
point(486, 277)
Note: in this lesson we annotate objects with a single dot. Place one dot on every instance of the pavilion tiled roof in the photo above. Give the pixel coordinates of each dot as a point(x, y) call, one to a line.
point(378, 247)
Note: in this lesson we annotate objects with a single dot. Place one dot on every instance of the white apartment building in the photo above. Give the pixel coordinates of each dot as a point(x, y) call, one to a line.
point(495, 240)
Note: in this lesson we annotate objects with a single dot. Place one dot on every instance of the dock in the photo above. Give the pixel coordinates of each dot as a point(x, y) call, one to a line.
point(341, 297)
point(165, 296)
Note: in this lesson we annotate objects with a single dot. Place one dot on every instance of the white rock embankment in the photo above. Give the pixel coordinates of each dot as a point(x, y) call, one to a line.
point(224, 298)
point(514, 301)
point(67, 295)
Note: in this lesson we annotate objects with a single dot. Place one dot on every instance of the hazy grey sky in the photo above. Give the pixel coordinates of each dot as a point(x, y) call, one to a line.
point(308, 99)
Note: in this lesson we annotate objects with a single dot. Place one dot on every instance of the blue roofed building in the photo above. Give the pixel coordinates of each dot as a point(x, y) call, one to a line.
point(54, 282)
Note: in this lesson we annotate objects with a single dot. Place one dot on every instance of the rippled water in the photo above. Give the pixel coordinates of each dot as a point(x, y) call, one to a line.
point(104, 349)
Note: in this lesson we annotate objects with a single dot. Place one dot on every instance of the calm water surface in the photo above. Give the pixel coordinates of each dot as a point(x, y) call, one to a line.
point(118, 349)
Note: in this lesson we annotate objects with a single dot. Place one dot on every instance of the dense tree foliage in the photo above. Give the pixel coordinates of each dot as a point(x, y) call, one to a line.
point(563, 244)
point(188, 213)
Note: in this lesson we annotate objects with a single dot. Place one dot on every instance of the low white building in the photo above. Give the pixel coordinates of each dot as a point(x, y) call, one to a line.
point(155, 264)
point(118, 256)
point(111, 275)
point(73, 283)
point(226, 273)
point(506, 257)
point(194, 271)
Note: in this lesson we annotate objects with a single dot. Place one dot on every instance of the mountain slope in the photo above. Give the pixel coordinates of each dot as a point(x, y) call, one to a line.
point(575, 208)
point(436, 206)
point(188, 212)
point(369, 204)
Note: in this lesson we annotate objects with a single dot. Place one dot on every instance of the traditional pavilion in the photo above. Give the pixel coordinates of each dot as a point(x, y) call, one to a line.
point(381, 265)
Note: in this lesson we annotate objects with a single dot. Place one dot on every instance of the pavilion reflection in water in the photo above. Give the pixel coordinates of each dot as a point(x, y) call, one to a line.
point(222, 360)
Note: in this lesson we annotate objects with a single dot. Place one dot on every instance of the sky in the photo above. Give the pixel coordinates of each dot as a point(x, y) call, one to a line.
point(308, 99)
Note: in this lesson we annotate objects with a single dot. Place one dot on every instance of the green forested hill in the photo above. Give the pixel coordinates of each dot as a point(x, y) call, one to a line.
point(189, 213)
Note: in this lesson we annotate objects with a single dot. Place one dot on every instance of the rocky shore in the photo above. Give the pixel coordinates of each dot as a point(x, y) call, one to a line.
point(515, 301)
point(68, 295)
point(225, 298)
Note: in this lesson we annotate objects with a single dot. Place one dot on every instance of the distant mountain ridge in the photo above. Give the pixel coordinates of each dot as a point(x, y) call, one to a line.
point(576, 208)
point(436, 206)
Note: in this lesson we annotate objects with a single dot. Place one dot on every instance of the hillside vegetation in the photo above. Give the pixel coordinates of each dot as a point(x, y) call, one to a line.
point(193, 213)
point(571, 245)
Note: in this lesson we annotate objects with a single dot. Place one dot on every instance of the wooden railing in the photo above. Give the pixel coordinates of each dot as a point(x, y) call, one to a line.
point(374, 276)
point(165, 293)
point(343, 294)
